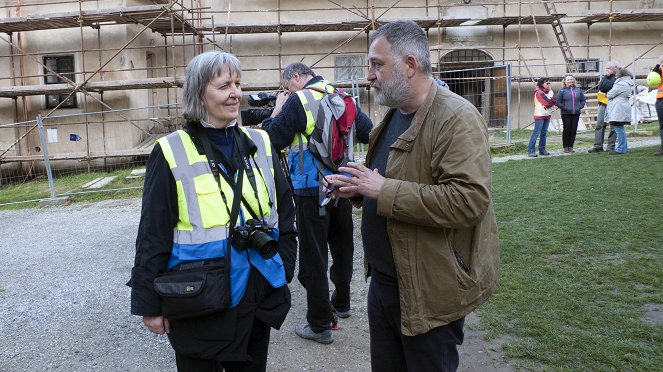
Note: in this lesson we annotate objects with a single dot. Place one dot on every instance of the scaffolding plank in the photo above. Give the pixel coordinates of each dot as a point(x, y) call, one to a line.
point(635, 16)
point(346, 25)
point(92, 86)
point(95, 18)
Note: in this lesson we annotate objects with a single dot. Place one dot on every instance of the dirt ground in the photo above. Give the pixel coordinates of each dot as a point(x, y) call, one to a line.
point(350, 349)
point(64, 305)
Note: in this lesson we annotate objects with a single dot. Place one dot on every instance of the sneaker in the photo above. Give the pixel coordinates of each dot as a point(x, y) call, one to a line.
point(532, 155)
point(544, 153)
point(342, 314)
point(305, 331)
point(595, 149)
point(615, 153)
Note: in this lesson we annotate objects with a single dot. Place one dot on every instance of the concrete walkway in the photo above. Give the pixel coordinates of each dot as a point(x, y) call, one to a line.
point(634, 142)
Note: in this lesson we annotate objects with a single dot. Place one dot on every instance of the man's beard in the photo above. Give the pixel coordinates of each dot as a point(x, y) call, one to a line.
point(394, 91)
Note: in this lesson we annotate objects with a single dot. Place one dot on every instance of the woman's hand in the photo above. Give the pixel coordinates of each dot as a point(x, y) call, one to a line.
point(157, 324)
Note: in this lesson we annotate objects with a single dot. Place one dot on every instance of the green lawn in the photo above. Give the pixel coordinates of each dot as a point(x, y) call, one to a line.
point(582, 254)
point(71, 185)
point(582, 257)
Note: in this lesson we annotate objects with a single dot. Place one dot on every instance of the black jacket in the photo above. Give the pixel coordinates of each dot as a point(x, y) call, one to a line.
point(221, 335)
point(606, 83)
point(292, 120)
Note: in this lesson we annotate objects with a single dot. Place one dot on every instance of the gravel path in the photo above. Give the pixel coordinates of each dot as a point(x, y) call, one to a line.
point(64, 305)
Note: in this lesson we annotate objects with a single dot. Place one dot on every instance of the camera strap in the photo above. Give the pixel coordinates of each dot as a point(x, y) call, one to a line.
point(215, 167)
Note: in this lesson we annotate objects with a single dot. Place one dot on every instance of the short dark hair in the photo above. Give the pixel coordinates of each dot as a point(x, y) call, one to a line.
point(542, 81)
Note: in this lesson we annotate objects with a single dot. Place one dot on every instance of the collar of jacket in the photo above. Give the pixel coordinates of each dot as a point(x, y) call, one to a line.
point(417, 121)
point(245, 144)
point(316, 79)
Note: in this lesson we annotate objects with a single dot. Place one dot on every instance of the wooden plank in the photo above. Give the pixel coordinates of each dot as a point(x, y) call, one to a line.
point(94, 18)
point(92, 86)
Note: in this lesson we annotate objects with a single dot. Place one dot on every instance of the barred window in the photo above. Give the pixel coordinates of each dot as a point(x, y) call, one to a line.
point(64, 65)
point(348, 68)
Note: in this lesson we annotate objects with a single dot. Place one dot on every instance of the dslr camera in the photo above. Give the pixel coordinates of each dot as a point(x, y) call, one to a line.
point(255, 234)
point(255, 116)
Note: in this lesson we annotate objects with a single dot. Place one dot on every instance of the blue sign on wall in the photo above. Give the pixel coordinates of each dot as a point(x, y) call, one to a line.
point(74, 137)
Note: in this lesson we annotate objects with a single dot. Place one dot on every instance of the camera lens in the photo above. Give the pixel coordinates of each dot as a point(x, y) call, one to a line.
point(264, 243)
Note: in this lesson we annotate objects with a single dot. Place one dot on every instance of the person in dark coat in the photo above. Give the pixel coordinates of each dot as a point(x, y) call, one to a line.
point(570, 99)
point(187, 219)
point(606, 83)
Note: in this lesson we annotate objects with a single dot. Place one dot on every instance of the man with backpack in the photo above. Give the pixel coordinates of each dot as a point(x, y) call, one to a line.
point(292, 125)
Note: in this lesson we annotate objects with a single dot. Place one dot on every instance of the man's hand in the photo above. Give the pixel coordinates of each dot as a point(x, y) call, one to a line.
point(280, 100)
point(157, 324)
point(364, 181)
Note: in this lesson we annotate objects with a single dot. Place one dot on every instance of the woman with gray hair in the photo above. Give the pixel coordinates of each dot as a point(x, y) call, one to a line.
point(216, 206)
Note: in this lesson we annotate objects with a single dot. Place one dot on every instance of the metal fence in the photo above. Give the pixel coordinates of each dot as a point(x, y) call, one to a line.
point(49, 148)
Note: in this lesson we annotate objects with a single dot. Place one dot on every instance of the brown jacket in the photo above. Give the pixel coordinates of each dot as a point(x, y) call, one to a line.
point(437, 201)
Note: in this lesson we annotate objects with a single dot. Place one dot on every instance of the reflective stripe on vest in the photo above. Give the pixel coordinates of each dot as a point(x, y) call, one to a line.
point(310, 99)
point(202, 229)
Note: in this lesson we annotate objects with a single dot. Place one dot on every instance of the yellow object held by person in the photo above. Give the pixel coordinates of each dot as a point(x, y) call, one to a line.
point(602, 98)
point(653, 79)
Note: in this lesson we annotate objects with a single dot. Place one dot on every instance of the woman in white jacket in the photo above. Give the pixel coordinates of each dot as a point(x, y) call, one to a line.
point(618, 111)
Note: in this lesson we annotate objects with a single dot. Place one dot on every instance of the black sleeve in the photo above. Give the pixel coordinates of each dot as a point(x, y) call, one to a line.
point(283, 127)
point(286, 211)
point(657, 68)
point(154, 242)
point(363, 126)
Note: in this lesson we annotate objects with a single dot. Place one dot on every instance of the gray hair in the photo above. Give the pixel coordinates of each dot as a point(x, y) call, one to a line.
point(612, 64)
point(199, 72)
point(296, 67)
point(406, 37)
point(624, 72)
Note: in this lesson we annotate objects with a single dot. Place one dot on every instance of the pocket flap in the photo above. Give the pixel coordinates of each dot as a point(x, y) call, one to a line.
point(179, 289)
point(206, 185)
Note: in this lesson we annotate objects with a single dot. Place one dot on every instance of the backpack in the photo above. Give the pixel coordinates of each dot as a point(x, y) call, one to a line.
point(332, 139)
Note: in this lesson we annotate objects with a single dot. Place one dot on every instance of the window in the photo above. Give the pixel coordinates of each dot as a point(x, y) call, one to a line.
point(65, 66)
point(348, 68)
point(587, 65)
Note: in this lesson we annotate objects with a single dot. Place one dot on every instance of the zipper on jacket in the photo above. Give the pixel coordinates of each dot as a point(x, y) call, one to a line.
point(461, 262)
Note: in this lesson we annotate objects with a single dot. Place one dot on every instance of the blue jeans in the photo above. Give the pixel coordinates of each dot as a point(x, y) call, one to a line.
point(540, 126)
point(621, 147)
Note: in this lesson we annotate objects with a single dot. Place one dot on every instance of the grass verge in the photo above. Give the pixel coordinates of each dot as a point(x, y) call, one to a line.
point(581, 258)
point(120, 187)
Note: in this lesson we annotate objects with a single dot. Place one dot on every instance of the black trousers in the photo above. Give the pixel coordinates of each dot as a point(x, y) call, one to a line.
point(334, 228)
point(435, 350)
point(570, 128)
point(257, 350)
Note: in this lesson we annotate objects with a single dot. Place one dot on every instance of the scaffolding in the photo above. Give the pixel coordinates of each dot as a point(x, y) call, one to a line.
point(182, 31)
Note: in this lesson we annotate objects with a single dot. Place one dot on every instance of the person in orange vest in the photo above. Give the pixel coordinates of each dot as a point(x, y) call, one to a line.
point(659, 105)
